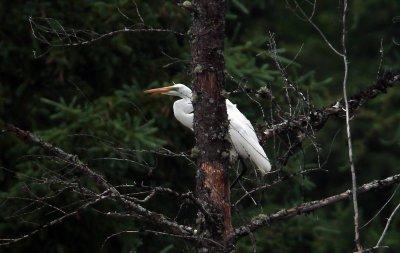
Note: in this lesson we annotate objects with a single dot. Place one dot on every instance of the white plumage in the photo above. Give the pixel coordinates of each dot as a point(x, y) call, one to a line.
point(241, 131)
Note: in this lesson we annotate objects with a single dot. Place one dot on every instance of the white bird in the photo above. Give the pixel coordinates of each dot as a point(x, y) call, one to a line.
point(241, 131)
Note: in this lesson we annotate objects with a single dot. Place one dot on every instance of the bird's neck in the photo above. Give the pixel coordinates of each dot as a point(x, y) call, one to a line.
point(186, 96)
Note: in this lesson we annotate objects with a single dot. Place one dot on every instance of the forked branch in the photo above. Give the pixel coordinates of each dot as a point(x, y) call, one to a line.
point(299, 128)
point(145, 215)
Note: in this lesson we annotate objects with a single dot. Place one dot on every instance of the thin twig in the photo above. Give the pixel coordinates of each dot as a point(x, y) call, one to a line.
point(147, 215)
point(321, 33)
point(8, 241)
point(378, 244)
point(70, 37)
point(380, 210)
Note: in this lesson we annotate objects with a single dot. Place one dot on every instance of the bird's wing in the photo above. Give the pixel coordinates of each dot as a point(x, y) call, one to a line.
point(240, 120)
point(244, 139)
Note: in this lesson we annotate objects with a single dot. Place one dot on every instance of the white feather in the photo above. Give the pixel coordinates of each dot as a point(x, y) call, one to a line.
point(241, 131)
point(183, 111)
point(244, 139)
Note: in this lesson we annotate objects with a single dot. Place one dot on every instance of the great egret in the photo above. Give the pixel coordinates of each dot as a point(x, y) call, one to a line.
point(241, 131)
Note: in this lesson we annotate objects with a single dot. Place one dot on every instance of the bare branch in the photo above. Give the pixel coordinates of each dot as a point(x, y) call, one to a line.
point(59, 153)
point(320, 32)
point(48, 30)
point(317, 118)
point(269, 185)
point(380, 210)
point(378, 244)
point(145, 215)
point(300, 127)
point(357, 238)
point(8, 241)
point(307, 207)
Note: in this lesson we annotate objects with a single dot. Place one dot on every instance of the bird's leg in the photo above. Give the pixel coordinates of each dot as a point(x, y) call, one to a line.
point(244, 170)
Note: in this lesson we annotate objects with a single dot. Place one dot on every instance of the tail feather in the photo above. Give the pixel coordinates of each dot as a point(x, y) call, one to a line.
point(262, 162)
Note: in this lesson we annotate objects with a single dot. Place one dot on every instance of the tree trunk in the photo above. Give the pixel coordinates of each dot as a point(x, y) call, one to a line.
point(211, 122)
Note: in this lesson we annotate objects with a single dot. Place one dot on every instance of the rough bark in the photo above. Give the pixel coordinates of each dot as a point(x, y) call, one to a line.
point(210, 119)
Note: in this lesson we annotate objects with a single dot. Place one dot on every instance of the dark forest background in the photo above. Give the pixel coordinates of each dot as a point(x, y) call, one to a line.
point(89, 101)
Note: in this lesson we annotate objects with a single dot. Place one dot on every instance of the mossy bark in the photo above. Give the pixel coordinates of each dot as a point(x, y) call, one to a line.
point(211, 121)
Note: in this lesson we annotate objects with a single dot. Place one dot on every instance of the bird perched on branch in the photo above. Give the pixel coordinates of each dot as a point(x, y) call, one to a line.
point(242, 135)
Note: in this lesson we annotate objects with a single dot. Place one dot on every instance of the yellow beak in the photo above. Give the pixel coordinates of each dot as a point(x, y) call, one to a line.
point(161, 90)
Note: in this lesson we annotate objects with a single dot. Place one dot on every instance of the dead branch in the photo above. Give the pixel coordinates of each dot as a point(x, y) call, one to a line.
point(378, 244)
point(59, 153)
point(50, 32)
point(264, 220)
point(300, 127)
point(145, 215)
point(357, 238)
point(8, 241)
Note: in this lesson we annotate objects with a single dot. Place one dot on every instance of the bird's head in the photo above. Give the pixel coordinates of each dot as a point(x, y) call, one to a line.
point(177, 90)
